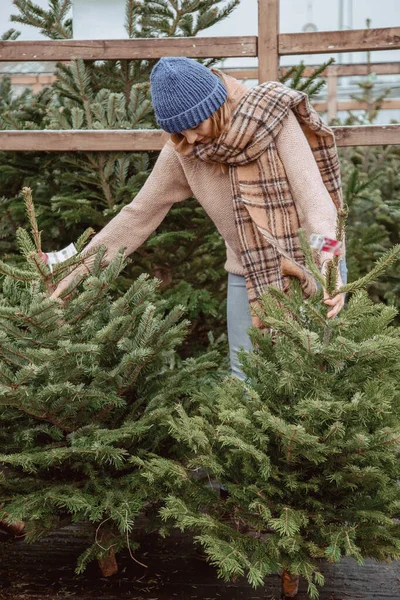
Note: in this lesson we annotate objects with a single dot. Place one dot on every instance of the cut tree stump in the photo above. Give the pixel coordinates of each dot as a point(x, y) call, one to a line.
point(15, 529)
point(290, 584)
point(108, 564)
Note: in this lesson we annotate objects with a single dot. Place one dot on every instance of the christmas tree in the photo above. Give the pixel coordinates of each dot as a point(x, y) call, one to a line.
point(307, 447)
point(83, 382)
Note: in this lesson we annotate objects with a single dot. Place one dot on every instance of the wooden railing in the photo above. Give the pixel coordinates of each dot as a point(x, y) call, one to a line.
point(333, 105)
point(268, 46)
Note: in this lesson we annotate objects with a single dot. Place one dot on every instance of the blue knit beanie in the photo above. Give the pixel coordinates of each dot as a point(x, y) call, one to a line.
point(184, 93)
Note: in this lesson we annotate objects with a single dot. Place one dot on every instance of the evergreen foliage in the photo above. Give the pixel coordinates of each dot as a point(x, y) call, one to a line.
point(83, 385)
point(54, 23)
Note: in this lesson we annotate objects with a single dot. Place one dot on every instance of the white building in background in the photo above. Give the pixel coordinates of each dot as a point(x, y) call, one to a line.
point(104, 19)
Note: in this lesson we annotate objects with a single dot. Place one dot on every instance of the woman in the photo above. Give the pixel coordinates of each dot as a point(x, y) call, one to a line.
point(261, 162)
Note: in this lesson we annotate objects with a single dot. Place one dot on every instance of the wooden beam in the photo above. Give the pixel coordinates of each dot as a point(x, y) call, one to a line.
point(37, 82)
point(392, 68)
point(319, 42)
point(332, 95)
point(250, 73)
point(73, 140)
point(321, 107)
point(347, 40)
point(268, 33)
point(145, 140)
point(338, 70)
point(43, 50)
point(367, 135)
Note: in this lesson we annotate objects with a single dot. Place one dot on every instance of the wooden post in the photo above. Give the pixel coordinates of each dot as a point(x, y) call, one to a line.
point(332, 93)
point(267, 47)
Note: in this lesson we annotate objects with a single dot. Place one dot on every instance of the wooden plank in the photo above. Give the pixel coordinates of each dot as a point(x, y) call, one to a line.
point(367, 135)
point(392, 68)
point(146, 140)
point(321, 42)
point(250, 73)
point(329, 42)
point(36, 82)
point(102, 140)
point(43, 50)
point(332, 94)
point(390, 104)
point(339, 70)
point(268, 34)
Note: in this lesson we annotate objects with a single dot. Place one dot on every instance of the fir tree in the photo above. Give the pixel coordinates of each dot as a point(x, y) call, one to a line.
point(307, 447)
point(83, 382)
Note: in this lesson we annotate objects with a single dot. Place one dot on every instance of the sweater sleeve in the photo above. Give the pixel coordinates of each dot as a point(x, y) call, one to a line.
point(135, 222)
point(316, 209)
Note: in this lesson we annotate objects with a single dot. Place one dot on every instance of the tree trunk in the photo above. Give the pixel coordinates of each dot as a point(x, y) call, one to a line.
point(108, 564)
point(290, 584)
point(164, 274)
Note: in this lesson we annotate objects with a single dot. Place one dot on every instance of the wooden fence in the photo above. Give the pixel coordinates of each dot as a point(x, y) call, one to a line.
point(332, 106)
point(268, 46)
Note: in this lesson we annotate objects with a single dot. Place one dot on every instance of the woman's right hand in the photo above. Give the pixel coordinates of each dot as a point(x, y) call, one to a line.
point(66, 282)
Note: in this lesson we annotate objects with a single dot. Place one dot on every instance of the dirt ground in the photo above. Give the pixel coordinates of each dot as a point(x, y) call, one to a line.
point(175, 571)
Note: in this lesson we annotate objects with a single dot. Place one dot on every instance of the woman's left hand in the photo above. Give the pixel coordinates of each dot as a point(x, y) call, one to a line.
point(337, 302)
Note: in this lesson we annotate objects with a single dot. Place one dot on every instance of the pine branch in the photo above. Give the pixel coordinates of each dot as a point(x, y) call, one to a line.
point(15, 272)
point(53, 23)
point(36, 234)
point(380, 268)
point(10, 35)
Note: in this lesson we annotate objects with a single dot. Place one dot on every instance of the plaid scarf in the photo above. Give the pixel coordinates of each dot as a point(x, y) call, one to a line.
point(264, 208)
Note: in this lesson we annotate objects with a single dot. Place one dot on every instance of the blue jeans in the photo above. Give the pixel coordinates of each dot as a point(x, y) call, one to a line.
point(239, 317)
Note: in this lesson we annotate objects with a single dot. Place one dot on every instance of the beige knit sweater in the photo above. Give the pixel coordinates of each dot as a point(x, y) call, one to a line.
point(176, 177)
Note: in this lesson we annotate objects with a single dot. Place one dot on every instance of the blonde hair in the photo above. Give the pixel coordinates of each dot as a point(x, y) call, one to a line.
point(220, 120)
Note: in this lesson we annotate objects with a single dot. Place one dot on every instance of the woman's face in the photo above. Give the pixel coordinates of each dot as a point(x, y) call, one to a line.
point(202, 133)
